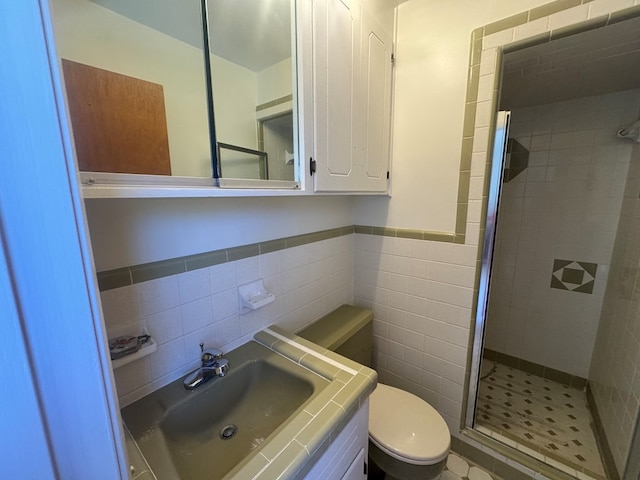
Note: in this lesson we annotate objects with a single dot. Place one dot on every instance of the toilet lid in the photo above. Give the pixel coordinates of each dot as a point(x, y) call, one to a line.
point(406, 427)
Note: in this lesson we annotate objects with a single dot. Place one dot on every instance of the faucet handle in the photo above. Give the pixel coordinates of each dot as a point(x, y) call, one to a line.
point(209, 355)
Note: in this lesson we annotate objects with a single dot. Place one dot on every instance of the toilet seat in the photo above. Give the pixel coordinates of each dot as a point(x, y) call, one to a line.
point(406, 427)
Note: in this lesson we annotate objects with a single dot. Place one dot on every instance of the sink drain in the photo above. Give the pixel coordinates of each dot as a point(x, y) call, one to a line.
point(227, 432)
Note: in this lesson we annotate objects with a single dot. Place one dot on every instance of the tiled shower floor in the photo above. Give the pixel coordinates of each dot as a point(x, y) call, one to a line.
point(540, 417)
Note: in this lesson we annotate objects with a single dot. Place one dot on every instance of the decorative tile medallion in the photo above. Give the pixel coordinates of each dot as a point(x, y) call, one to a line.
point(573, 276)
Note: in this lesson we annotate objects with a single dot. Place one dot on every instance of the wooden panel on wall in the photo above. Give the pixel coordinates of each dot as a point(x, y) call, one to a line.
point(119, 122)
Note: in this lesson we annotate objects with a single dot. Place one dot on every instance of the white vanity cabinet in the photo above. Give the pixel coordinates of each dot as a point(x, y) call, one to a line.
point(352, 89)
point(346, 456)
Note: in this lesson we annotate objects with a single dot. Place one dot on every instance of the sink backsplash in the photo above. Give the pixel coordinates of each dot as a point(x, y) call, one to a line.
point(181, 311)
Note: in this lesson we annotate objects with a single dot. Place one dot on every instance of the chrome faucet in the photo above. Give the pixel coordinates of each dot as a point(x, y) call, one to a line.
point(213, 365)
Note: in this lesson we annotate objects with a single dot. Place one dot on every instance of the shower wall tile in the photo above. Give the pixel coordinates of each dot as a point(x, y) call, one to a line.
point(565, 205)
point(180, 311)
point(615, 372)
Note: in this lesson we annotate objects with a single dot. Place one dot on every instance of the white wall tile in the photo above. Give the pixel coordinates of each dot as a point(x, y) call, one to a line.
point(193, 285)
point(166, 325)
point(486, 89)
point(197, 314)
point(120, 305)
point(168, 358)
point(498, 39)
point(567, 192)
point(222, 277)
point(202, 306)
point(568, 17)
point(531, 29)
point(157, 295)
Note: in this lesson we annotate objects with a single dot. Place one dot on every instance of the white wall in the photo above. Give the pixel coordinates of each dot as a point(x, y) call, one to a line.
point(93, 35)
point(275, 81)
point(430, 86)
point(430, 311)
point(131, 232)
point(235, 100)
point(566, 206)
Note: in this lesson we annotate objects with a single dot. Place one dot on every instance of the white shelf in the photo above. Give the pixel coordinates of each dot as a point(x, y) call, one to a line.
point(147, 348)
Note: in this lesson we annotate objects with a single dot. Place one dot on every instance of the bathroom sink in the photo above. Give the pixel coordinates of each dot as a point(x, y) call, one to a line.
point(209, 431)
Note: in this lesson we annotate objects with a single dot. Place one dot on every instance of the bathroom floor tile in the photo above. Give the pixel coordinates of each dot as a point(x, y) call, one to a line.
point(546, 419)
point(459, 468)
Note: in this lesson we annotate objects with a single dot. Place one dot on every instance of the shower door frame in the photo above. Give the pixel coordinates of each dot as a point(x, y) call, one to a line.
point(496, 173)
point(488, 43)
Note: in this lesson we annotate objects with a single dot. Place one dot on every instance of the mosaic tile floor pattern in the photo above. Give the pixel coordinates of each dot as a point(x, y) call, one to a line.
point(542, 415)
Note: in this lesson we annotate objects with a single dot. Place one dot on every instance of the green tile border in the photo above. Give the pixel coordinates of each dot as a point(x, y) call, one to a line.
point(126, 276)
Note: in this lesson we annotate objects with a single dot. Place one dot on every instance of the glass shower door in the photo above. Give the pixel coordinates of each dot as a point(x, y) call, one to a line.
point(497, 167)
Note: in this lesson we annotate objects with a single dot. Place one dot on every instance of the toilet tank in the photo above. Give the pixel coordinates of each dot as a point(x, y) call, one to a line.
point(347, 331)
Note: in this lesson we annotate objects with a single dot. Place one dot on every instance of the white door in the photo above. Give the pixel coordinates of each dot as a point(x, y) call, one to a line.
point(336, 37)
point(375, 73)
point(59, 412)
point(352, 97)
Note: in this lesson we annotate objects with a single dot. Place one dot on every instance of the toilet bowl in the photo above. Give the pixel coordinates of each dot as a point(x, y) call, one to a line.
point(408, 438)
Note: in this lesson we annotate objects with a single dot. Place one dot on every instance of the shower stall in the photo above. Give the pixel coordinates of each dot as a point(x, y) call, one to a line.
point(557, 354)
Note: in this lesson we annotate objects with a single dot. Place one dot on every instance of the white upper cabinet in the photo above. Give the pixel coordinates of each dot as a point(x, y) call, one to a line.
point(352, 57)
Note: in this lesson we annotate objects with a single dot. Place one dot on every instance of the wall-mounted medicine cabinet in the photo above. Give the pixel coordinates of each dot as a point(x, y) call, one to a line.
point(224, 98)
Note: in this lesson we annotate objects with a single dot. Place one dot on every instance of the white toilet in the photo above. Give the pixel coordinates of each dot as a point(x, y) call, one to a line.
point(408, 439)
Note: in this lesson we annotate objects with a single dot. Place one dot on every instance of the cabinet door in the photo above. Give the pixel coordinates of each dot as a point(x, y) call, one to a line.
point(375, 122)
point(336, 37)
point(352, 92)
point(356, 469)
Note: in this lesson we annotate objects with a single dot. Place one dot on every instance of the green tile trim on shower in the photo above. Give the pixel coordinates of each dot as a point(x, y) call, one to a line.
point(527, 42)
point(475, 53)
point(477, 36)
point(626, 14)
point(548, 373)
point(580, 27)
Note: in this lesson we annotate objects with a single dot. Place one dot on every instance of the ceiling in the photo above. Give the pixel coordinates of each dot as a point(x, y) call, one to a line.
point(253, 33)
point(595, 62)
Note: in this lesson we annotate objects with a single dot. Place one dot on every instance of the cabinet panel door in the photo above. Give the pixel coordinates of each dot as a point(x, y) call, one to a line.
point(376, 72)
point(352, 94)
point(356, 469)
point(336, 49)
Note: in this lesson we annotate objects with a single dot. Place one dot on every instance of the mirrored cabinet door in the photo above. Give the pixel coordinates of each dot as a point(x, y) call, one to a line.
point(207, 93)
point(136, 85)
point(189, 90)
point(252, 79)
